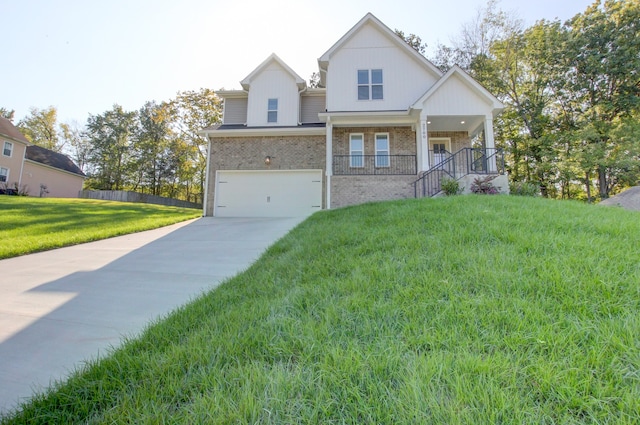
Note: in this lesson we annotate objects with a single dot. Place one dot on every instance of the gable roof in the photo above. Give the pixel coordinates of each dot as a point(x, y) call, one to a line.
point(475, 87)
point(9, 130)
point(246, 82)
point(52, 159)
point(370, 19)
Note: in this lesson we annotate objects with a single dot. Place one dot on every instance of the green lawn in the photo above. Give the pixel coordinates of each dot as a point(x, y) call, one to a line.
point(459, 310)
point(37, 224)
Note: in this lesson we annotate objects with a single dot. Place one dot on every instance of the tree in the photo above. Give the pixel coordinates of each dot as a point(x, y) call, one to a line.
point(76, 142)
point(413, 41)
point(7, 113)
point(110, 135)
point(151, 146)
point(603, 85)
point(194, 111)
point(40, 127)
point(314, 80)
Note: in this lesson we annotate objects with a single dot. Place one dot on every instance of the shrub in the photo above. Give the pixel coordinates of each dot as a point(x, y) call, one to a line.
point(524, 189)
point(451, 187)
point(484, 186)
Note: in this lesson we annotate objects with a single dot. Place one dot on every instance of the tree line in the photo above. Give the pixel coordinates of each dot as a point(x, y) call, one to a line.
point(571, 90)
point(155, 149)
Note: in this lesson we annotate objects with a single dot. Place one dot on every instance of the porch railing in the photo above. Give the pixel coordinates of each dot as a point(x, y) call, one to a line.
point(464, 162)
point(355, 165)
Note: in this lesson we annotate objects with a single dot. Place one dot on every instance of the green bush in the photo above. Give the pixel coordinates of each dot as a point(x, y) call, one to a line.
point(523, 189)
point(451, 187)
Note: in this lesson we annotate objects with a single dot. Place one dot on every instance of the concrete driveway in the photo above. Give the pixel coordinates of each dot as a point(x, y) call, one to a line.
point(62, 307)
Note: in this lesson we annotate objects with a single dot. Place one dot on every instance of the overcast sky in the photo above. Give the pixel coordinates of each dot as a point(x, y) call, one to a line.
point(83, 56)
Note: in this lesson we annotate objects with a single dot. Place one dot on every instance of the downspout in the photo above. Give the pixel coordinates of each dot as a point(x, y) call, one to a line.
point(205, 197)
point(329, 160)
point(24, 156)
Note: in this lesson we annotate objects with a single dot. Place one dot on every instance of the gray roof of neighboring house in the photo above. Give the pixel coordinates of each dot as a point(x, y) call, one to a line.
point(9, 130)
point(52, 159)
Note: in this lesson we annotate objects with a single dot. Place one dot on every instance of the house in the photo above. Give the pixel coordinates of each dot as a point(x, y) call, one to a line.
point(384, 123)
point(35, 170)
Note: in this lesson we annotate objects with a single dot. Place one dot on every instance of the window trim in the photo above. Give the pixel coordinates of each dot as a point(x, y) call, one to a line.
point(270, 110)
point(359, 158)
point(6, 176)
point(4, 148)
point(369, 84)
point(382, 154)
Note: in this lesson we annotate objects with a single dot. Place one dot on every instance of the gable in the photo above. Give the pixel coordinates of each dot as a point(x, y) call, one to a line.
point(370, 45)
point(273, 81)
point(456, 93)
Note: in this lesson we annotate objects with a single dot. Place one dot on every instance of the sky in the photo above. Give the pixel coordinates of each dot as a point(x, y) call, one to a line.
point(84, 56)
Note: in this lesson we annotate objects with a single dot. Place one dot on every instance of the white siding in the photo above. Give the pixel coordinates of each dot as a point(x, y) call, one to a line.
point(404, 79)
point(455, 97)
point(274, 82)
point(311, 107)
point(235, 111)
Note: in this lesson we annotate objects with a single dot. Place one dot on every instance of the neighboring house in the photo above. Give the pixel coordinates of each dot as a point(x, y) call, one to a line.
point(385, 123)
point(36, 170)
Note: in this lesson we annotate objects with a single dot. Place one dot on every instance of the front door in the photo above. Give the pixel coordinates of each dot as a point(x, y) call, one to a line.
point(440, 148)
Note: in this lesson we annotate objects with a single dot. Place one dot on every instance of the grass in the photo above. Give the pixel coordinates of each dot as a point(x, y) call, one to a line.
point(458, 310)
point(30, 225)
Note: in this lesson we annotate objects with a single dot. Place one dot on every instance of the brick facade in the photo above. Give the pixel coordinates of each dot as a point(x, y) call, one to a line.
point(308, 152)
point(353, 190)
point(248, 153)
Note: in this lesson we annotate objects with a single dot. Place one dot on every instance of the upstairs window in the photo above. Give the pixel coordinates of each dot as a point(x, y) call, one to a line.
point(272, 110)
point(8, 149)
point(370, 84)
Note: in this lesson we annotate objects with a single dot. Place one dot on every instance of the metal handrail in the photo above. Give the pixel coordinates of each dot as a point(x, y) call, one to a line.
point(465, 161)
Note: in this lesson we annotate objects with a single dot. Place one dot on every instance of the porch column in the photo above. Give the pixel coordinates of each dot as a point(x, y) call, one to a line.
point(489, 142)
point(329, 161)
point(422, 144)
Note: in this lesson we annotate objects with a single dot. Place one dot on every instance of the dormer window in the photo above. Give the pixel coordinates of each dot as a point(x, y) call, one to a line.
point(272, 110)
point(370, 84)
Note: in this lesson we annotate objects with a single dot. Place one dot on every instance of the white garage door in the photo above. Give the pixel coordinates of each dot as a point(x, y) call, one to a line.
point(290, 193)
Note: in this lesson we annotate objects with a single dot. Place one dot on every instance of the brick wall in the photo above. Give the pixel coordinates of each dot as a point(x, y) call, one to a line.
point(353, 190)
point(248, 153)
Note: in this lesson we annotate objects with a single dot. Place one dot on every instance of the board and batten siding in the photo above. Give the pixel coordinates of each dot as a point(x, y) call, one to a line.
point(274, 82)
point(311, 106)
point(455, 98)
point(235, 111)
point(404, 78)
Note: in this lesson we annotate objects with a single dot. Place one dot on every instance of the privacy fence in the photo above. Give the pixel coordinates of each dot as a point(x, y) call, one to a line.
point(126, 196)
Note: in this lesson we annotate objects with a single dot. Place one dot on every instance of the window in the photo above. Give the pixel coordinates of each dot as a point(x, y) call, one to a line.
point(356, 150)
point(370, 84)
point(272, 110)
point(382, 149)
point(4, 175)
point(8, 149)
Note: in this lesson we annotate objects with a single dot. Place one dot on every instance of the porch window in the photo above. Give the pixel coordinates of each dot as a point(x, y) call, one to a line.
point(382, 149)
point(272, 110)
point(4, 174)
point(8, 149)
point(370, 84)
point(356, 150)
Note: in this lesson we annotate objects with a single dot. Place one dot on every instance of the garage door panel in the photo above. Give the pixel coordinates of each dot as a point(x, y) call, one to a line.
point(268, 193)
